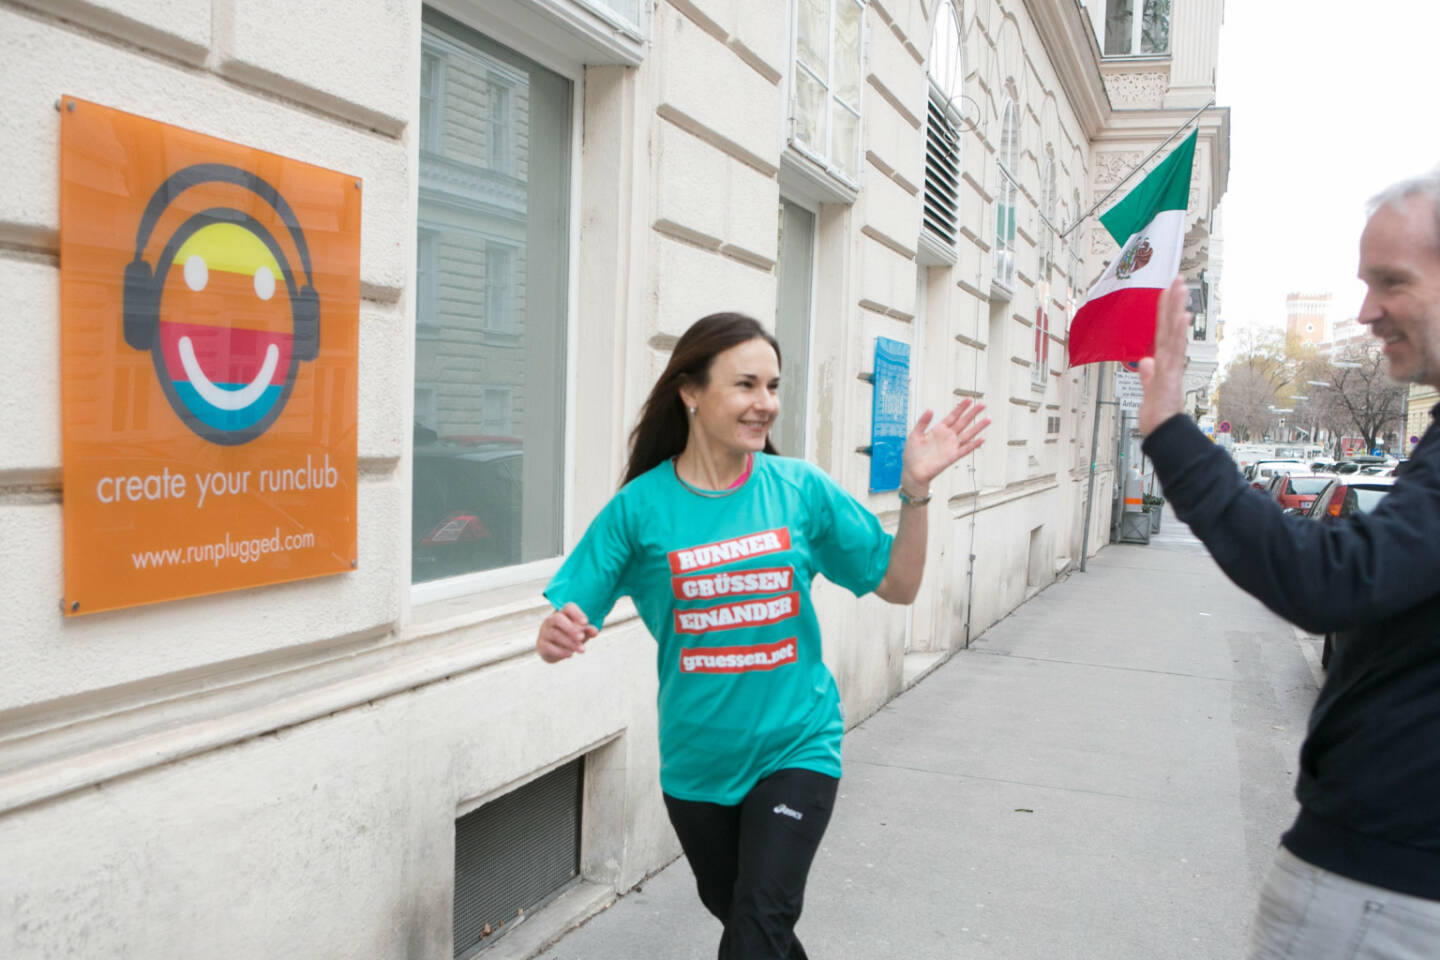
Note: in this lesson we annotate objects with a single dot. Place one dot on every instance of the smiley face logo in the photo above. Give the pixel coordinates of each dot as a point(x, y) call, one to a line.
point(222, 313)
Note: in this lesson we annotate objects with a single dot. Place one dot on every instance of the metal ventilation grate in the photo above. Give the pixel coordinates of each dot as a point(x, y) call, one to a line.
point(515, 853)
point(942, 175)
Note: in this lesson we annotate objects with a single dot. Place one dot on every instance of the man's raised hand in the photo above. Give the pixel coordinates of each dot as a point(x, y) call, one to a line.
point(1163, 374)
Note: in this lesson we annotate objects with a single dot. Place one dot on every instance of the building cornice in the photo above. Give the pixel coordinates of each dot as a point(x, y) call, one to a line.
point(1070, 43)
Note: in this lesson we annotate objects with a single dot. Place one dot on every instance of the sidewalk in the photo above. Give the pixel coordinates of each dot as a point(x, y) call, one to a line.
point(1104, 774)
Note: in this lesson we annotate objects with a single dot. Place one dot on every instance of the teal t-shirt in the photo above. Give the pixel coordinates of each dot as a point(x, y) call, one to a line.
point(723, 585)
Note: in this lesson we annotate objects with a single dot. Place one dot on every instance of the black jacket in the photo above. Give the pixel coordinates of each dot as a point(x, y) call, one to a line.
point(1369, 784)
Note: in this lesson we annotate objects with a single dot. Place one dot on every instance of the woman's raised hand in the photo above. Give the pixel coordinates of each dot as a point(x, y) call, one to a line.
point(563, 633)
point(930, 449)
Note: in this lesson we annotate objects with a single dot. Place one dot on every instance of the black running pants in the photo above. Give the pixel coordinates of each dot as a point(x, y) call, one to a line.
point(751, 860)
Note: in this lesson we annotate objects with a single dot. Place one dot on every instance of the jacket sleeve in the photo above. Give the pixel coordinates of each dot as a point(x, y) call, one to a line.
point(1320, 576)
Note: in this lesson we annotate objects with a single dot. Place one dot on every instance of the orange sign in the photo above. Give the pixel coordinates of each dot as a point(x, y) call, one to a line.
point(210, 300)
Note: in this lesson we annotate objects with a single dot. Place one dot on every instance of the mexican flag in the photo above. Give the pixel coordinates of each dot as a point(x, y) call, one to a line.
point(1117, 321)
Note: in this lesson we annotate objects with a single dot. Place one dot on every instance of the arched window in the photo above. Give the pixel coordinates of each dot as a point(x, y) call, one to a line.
point(941, 214)
point(1006, 195)
point(944, 66)
point(1073, 242)
point(1049, 200)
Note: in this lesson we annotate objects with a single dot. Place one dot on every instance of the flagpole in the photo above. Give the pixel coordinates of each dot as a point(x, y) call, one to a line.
point(1090, 490)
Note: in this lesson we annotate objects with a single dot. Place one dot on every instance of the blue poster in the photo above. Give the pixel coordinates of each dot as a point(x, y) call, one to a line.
point(889, 414)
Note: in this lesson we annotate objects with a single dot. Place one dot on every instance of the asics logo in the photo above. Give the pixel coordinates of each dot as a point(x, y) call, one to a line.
point(785, 811)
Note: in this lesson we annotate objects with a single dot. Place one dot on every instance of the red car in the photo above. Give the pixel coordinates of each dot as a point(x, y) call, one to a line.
point(1343, 496)
point(1298, 490)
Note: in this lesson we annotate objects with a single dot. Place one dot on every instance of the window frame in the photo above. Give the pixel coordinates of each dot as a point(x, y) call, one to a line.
point(1137, 29)
point(505, 125)
point(431, 143)
point(792, 140)
point(1008, 187)
point(506, 395)
point(427, 281)
point(935, 249)
point(488, 324)
point(1049, 201)
point(542, 53)
point(1040, 369)
point(813, 268)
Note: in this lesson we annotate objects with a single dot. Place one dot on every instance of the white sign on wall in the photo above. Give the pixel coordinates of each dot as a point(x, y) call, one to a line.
point(1127, 391)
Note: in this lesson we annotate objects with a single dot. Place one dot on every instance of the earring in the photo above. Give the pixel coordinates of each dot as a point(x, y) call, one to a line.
point(692, 411)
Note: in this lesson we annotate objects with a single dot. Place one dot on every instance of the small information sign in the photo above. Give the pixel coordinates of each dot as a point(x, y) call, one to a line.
point(888, 413)
point(1128, 391)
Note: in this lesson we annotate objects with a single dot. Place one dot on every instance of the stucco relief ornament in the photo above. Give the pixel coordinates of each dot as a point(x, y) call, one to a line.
point(1133, 260)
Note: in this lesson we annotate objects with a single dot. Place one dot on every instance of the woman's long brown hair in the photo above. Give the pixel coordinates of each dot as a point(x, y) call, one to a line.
point(663, 428)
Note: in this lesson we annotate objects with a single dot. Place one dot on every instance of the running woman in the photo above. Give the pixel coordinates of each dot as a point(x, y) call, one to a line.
point(717, 538)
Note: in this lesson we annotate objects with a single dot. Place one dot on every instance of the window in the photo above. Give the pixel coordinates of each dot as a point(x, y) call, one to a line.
point(945, 67)
point(500, 126)
point(1149, 36)
point(492, 258)
point(427, 248)
point(628, 11)
point(432, 78)
point(825, 84)
point(495, 412)
point(1196, 302)
point(1073, 242)
point(1005, 197)
point(793, 273)
point(499, 288)
point(1040, 369)
point(941, 213)
point(1049, 198)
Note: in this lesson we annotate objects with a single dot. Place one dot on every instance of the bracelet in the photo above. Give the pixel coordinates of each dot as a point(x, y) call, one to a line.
point(905, 498)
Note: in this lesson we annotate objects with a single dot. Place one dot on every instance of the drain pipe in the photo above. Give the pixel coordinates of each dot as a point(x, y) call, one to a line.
point(970, 571)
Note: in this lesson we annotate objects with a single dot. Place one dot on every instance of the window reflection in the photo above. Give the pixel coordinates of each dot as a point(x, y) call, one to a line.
point(491, 282)
point(1124, 36)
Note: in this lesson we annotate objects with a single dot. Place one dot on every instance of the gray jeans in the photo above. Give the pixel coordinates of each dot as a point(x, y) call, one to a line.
point(1309, 913)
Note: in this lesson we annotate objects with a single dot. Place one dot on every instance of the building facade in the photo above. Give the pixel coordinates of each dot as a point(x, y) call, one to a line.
point(1419, 402)
point(353, 765)
point(1346, 336)
point(1307, 317)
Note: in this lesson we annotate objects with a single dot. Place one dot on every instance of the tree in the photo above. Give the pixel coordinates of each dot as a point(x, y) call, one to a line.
point(1358, 397)
point(1254, 381)
point(1246, 396)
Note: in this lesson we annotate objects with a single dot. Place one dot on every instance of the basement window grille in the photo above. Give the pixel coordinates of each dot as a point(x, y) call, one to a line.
point(515, 854)
point(942, 175)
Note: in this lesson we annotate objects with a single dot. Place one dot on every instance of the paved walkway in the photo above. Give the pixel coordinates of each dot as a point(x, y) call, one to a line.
point(1104, 774)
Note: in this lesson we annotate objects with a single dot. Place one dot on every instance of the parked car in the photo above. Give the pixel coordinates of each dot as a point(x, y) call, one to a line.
point(1262, 471)
point(465, 515)
point(1298, 490)
point(1358, 463)
point(1342, 496)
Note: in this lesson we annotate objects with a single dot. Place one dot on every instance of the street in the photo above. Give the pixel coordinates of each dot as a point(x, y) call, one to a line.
point(1104, 774)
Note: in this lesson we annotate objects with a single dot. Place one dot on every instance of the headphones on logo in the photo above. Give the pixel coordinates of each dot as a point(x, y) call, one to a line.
point(144, 284)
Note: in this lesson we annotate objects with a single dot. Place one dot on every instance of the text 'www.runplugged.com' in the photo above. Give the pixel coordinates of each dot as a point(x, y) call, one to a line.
point(217, 552)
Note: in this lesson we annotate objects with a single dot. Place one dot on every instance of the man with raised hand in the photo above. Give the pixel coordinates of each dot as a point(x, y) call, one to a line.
point(1358, 874)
